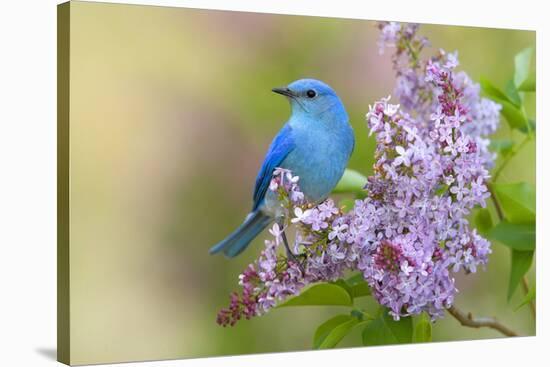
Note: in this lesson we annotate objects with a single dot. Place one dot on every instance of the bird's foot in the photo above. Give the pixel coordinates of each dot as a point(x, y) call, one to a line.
point(294, 257)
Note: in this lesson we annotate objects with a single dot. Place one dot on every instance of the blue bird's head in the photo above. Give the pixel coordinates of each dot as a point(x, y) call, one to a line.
point(313, 98)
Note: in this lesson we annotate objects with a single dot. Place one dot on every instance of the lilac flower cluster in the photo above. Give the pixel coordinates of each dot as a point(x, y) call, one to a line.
point(431, 170)
point(273, 277)
point(410, 85)
point(425, 183)
point(411, 232)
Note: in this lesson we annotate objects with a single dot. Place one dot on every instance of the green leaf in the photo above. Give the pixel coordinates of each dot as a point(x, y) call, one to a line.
point(423, 329)
point(521, 262)
point(493, 92)
point(355, 286)
point(512, 93)
point(483, 220)
point(325, 335)
point(510, 110)
point(351, 181)
point(502, 146)
point(360, 315)
point(342, 283)
point(355, 279)
point(515, 117)
point(323, 294)
point(442, 189)
point(347, 204)
point(518, 201)
point(529, 297)
point(529, 84)
point(517, 236)
point(360, 195)
point(522, 63)
point(384, 330)
point(532, 127)
point(338, 333)
point(358, 287)
point(360, 290)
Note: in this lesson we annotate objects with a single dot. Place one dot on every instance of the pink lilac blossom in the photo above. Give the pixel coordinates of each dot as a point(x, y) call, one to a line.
point(411, 232)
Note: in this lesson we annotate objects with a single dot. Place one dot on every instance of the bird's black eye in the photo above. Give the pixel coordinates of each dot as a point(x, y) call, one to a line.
point(311, 93)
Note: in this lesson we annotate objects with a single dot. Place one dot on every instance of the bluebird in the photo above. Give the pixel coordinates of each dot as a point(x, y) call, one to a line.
point(314, 144)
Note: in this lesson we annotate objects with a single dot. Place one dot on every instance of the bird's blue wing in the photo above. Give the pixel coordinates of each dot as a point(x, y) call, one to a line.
point(281, 145)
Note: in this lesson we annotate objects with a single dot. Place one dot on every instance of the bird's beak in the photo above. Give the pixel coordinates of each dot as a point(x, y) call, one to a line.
point(284, 91)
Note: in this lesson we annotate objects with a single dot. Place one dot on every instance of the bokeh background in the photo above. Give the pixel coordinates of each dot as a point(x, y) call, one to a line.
point(171, 115)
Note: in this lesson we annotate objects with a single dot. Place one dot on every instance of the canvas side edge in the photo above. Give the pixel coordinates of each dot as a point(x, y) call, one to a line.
point(63, 179)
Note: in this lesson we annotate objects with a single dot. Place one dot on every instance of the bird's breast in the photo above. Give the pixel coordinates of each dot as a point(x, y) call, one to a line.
point(319, 159)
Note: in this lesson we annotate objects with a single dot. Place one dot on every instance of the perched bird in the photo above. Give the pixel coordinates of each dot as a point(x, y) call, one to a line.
point(315, 144)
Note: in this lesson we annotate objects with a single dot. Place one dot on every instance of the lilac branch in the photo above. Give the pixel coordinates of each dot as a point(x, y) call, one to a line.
point(494, 199)
point(469, 320)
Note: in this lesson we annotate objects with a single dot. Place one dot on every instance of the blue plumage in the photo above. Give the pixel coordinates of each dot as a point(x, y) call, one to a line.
point(280, 147)
point(237, 241)
point(315, 144)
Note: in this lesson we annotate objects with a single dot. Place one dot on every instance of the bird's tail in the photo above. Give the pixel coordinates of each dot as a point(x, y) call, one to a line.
point(237, 241)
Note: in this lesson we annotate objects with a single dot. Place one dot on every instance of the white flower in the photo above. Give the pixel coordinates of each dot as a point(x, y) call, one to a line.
point(452, 60)
point(437, 117)
point(277, 232)
point(292, 179)
point(300, 215)
point(273, 185)
point(391, 109)
point(338, 232)
point(404, 156)
point(279, 171)
point(405, 268)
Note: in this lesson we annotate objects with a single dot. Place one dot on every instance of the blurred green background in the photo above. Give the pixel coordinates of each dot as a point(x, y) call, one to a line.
point(171, 115)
